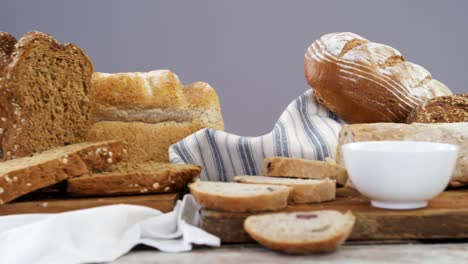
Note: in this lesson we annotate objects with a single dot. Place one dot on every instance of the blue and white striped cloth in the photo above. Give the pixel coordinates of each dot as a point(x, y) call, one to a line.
point(305, 129)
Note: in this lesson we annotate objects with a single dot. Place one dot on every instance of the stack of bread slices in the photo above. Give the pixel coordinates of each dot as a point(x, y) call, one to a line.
point(286, 181)
point(101, 134)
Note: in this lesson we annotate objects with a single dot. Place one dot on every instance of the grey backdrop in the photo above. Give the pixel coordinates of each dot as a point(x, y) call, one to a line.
point(250, 51)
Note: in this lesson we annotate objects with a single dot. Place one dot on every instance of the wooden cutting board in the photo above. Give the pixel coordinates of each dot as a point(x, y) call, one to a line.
point(162, 202)
point(446, 217)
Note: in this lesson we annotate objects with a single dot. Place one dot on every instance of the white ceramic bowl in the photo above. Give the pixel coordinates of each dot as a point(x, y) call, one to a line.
point(400, 174)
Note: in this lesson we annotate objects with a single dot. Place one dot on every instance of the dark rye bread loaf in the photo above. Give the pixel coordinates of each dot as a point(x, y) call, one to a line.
point(126, 178)
point(24, 175)
point(442, 109)
point(45, 90)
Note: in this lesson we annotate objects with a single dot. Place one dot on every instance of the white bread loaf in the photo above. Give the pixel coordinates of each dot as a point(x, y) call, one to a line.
point(451, 133)
point(302, 190)
point(366, 82)
point(301, 232)
point(239, 197)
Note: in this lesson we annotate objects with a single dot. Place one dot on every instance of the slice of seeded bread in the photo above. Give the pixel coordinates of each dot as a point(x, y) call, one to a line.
point(301, 168)
point(302, 190)
point(125, 178)
point(24, 175)
point(239, 197)
point(300, 232)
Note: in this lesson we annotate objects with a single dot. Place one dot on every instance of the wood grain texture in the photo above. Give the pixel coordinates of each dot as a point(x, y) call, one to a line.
point(446, 217)
point(162, 202)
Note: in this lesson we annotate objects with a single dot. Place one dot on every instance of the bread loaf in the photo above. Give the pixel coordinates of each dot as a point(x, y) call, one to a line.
point(45, 94)
point(301, 232)
point(451, 133)
point(366, 82)
point(125, 178)
point(307, 169)
point(24, 175)
point(302, 190)
point(239, 197)
point(442, 109)
point(151, 111)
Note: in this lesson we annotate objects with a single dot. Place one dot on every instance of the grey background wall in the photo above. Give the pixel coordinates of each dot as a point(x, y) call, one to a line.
point(250, 51)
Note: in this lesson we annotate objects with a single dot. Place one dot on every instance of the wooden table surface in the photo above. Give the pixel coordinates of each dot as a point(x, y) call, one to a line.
point(415, 253)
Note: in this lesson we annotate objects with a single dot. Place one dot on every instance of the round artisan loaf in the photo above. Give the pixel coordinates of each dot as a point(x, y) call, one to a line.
point(239, 197)
point(300, 232)
point(442, 109)
point(366, 82)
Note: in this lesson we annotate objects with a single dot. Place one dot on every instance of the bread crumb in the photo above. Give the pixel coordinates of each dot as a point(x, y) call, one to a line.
point(156, 185)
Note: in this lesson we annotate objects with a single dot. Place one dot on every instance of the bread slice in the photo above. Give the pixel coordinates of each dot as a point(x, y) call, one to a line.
point(151, 111)
point(300, 232)
point(240, 197)
point(441, 109)
point(127, 178)
point(45, 94)
point(302, 190)
point(23, 175)
point(301, 168)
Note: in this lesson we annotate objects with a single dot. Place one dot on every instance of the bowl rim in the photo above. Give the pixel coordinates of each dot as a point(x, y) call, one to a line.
point(438, 147)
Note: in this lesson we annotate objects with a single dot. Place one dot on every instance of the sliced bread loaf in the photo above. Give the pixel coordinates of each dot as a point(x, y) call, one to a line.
point(240, 197)
point(302, 190)
point(300, 232)
point(125, 178)
point(23, 175)
point(45, 94)
point(301, 168)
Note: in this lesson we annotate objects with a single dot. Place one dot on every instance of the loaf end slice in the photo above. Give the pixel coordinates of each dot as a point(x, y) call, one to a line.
point(442, 109)
point(141, 178)
point(302, 168)
point(24, 175)
point(239, 197)
point(302, 190)
point(301, 232)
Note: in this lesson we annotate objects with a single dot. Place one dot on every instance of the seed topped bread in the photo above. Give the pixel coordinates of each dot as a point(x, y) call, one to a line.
point(239, 197)
point(23, 175)
point(45, 94)
point(302, 168)
point(302, 190)
point(300, 232)
point(126, 178)
point(442, 109)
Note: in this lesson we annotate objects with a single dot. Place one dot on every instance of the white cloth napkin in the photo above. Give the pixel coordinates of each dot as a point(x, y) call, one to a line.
point(99, 234)
point(306, 129)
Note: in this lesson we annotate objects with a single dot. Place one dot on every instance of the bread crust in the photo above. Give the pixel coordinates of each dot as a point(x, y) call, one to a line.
point(307, 169)
point(366, 82)
point(276, 200)
point(305, 247)
point(24, 175)
point(160, 178)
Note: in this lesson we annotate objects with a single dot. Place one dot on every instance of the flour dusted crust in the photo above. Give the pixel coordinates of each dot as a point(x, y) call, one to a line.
point(45, 94)
point(302, 190)
point(301, 232)
point(366, 82)
point(141, 178)
point(239, 197)
point(301, 168)
point(24, 175)
point(451, 133)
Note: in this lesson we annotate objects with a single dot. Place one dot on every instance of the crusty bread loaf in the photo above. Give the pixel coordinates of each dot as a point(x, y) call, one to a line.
point(23, 175)
point(442, 109)
point(135, 179)
point(451, 133)
point(239, 197)
point(300, 232)
point(366, 82)
point(45, 94)
point(151, 111)
point(301, 168)
point(302, 190)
